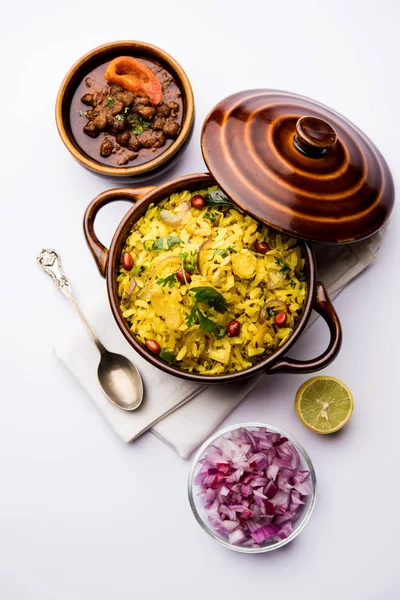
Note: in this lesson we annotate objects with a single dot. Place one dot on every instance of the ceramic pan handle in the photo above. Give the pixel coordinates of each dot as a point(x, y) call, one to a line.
point(314, 136)
point(325, 308)
point(99, 251)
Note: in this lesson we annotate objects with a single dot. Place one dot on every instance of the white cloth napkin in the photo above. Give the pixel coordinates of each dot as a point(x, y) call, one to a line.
point(166, 409)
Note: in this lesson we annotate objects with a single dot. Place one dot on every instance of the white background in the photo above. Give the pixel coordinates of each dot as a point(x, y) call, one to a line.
point(83, 516)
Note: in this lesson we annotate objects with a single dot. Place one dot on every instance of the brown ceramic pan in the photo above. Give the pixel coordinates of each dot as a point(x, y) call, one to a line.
point(108, 262)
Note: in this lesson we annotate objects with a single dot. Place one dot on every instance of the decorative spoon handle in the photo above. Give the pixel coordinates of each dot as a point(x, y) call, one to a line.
point(49, 260)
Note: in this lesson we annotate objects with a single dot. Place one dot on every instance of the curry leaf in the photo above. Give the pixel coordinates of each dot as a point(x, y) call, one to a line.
point(166, 243)
point(217, 198)
point(210, 296)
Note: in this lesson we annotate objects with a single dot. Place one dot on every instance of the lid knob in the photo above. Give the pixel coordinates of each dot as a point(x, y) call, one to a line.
point(314, 136)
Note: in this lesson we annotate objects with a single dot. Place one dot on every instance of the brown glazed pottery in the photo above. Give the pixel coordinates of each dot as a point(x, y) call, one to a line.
point(90, 61)
point(108, 262)
point(298, 166)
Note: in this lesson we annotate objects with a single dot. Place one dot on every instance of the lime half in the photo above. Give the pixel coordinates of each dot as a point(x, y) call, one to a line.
point(324, 404)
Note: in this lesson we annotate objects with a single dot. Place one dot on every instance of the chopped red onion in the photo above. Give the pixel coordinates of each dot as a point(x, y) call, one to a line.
point(302, 482)
point(264, 533)
point(270, 489)
point(237, 537)
point(252, 486)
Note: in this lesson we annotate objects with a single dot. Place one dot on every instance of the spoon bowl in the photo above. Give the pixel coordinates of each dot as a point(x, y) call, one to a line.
point(120, 381)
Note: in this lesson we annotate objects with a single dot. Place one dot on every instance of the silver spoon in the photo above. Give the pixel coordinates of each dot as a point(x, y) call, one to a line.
point(118, 377)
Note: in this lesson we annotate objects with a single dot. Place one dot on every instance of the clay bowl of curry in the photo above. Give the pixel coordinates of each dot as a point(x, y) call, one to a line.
point(125, 109)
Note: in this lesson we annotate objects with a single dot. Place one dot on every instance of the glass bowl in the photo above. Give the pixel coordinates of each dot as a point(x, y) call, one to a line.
point(196, 499)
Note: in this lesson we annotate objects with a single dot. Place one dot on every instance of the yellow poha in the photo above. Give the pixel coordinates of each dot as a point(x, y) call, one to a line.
point(177, 250)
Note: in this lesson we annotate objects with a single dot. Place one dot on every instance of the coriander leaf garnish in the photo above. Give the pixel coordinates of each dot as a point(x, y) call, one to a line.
point(204, 322)
point(207, 295)
point(123, 116)
point(197, 315)
point(223, 252)
point(189, 260)
point(110, 101)
point(137, 129)
point(139, 125)
point(217, 198)
point(192, 316)
point(210, 296)
point(283, 266)
point(166, 243)
point(170, 280)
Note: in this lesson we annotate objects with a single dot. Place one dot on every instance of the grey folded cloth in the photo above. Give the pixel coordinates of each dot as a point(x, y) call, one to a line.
point(166, 409)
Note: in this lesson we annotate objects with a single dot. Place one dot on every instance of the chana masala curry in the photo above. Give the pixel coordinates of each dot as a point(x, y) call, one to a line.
point(126, 112)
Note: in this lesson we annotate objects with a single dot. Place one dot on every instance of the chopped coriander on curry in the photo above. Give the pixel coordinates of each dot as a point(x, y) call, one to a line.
point(140, 125)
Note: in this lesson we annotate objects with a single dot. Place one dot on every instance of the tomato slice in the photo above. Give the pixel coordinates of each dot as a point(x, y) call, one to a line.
point(134, 76)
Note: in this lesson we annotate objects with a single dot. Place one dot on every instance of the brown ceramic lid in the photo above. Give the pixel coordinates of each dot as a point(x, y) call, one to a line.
point(298, 166)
